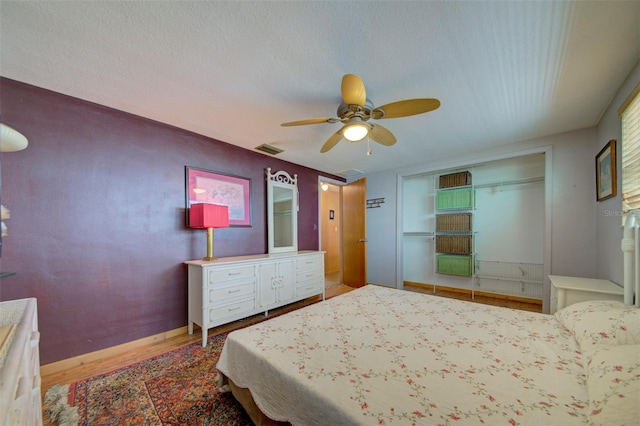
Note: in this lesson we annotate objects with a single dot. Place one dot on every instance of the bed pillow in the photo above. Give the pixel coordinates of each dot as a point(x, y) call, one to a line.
point(601, 322)
point(613, 384)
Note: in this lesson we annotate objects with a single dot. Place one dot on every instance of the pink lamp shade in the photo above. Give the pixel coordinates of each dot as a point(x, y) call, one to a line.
point(208, 216)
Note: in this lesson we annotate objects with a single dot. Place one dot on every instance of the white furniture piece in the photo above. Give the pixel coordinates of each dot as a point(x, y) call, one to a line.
point(20, 401)
point(566, 291)
point(232, 288)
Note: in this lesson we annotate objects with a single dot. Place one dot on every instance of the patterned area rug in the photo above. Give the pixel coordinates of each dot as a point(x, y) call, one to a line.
point(175, 388)
point(332, 280)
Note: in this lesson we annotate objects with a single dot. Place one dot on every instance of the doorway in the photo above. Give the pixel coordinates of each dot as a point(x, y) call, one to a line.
point(343, 238)
point(331, 232)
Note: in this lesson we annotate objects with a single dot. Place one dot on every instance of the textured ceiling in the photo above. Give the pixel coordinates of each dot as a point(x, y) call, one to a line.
point(233, 71)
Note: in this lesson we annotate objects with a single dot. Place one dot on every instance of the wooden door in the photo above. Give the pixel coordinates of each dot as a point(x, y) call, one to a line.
point(354, 233)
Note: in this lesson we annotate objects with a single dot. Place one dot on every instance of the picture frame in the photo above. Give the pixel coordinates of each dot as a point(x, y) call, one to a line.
point(606, 181)
point(331, 214)
point(207, 186)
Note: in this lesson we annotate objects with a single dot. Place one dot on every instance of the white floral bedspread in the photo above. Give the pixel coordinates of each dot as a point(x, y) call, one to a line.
point(384, 356)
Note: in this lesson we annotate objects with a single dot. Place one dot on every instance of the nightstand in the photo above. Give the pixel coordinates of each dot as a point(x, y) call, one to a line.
point(566, 291)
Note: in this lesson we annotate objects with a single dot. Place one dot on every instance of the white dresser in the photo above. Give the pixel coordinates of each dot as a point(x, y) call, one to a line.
point(231, 288)
point(20, 401)
point(566, 291)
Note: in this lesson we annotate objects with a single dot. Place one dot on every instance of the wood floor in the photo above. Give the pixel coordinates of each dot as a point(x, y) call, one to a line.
point(108, 364)
point(495, 300)
point(111, 363)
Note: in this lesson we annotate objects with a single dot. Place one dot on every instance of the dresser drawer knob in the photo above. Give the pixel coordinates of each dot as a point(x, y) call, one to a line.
point(233, 291)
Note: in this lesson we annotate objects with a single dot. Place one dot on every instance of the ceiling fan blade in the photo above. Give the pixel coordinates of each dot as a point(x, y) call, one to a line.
point(310, 121)
point(331, 142)
point(353, 91)
point(405, 108)
point(382, 135)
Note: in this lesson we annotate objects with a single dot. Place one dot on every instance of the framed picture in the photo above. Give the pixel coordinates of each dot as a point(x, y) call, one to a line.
point(331, 214)
point(205, 186)
point(606, 183)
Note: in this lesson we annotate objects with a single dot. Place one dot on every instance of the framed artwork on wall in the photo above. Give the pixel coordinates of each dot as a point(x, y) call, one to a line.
point(606, 183)
point(206, 186)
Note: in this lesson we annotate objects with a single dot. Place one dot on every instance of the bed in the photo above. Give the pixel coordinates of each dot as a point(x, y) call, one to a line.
point(384, 356)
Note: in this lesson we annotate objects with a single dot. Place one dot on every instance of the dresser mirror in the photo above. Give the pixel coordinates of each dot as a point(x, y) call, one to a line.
point(282, 211)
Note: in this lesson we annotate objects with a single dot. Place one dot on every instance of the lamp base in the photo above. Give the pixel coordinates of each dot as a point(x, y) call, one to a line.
point(209, 255)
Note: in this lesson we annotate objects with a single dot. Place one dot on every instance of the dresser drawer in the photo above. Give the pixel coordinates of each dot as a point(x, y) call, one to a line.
point(229, 289)
point(218, 294)
point(306, 276)
point(311, 262)
point(309, 289)
point(231, 309)
point(20, 399)
point(218, 275)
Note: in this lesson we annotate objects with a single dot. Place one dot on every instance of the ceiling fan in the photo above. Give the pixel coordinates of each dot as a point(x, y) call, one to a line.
point(356, 110)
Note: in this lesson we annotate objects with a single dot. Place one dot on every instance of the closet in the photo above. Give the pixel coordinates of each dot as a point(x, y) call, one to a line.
point(479, 228)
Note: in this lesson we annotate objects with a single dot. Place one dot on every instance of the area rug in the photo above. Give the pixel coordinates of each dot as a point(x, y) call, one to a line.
point(175, 388)
point(332, 280)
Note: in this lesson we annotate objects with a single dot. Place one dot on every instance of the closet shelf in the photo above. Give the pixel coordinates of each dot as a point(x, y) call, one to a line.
point(510, 279)
point(510, 182)
point(456, 210)
point(455, 232)
point(453, 188)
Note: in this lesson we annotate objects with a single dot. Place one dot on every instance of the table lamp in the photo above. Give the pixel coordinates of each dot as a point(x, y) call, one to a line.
point(208, 216)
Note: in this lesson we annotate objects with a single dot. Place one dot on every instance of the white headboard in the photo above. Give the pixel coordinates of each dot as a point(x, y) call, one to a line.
point(631, 252)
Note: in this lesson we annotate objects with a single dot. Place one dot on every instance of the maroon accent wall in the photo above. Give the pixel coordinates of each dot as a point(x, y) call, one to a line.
point(97, 231)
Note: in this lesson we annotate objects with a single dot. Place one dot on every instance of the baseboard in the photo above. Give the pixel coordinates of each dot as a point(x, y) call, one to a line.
point(76, 361)
point(434, 287)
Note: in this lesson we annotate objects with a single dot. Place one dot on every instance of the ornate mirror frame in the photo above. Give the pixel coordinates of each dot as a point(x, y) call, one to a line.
point(282, 211)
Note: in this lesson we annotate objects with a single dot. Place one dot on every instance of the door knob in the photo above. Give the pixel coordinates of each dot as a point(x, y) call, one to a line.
point(362, 240)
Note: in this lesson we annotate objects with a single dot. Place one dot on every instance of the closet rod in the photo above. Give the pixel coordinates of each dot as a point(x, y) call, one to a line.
point(511, 182)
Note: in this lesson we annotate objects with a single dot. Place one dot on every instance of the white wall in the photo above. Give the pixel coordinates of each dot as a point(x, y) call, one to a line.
point(381, 230)
point(608, 223)
point(573, 236)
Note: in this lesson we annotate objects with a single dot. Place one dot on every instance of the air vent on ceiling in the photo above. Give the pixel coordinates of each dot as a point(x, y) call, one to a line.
point(271, 150)
point(352, 173)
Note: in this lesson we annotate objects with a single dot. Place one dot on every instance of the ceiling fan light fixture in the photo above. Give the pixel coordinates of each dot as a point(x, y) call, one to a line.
point(355, 132)
point(356, 110)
